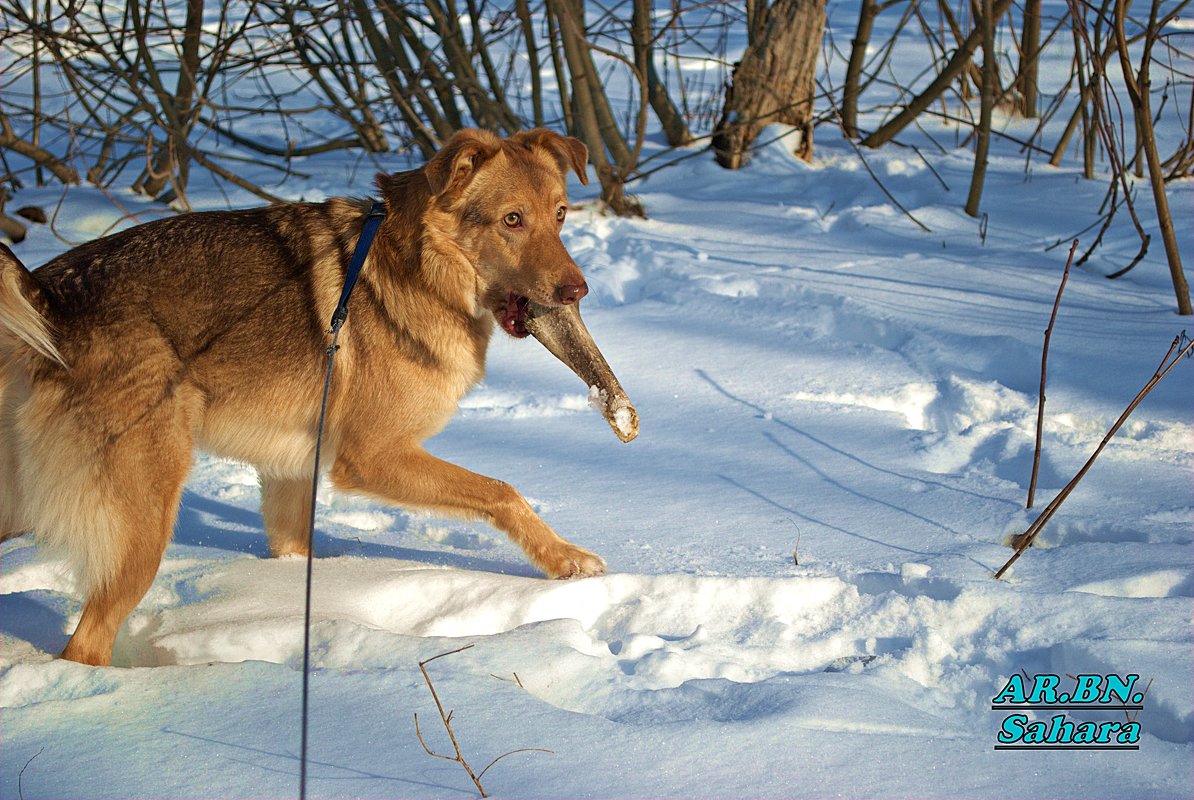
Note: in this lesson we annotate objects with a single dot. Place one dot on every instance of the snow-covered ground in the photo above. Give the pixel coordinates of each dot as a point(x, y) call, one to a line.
point(813, 374)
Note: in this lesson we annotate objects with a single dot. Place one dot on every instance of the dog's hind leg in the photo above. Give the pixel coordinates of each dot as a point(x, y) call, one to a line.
point(286, 509)
point(150, 462)
point(416, 478)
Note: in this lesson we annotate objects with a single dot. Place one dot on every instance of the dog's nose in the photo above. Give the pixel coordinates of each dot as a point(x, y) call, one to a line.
point(570, 293)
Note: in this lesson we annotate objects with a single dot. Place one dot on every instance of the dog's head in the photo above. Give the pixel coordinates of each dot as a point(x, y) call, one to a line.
point(508, 199)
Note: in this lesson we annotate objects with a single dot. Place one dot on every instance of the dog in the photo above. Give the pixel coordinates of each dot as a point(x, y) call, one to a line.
point(208, 330)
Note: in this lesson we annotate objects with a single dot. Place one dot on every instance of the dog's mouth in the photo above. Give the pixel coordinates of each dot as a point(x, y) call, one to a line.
point(513, 315)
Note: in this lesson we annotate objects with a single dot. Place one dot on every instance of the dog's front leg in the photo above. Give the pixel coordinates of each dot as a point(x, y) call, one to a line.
point(416, 478)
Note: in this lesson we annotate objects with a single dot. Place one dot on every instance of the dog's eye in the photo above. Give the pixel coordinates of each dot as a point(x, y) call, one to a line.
point(513, 219)
point(561, 212)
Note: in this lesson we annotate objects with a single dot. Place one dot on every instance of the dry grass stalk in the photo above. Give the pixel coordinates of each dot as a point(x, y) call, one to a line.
point(1136, 713)
point(446, 719)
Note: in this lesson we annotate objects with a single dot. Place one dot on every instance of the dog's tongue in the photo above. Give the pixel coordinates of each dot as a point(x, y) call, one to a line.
point(561, 330)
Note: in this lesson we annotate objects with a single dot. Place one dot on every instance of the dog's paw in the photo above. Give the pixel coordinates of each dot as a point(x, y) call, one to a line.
point(574, 562)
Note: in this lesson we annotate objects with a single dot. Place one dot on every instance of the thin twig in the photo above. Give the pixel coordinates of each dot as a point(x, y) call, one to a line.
point(883, 188)
point(1136, 713)
point(1040, 408)
point(924, 161)
point(837, 114)
point(481, 774)
point(1024, 540)
point(447, 720)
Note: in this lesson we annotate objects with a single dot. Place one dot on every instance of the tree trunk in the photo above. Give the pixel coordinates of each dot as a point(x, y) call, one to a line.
point(555, 39)
point(532, 51)
point(1138, 90)
point(670, 118)
point(582, 67)
point(166, 180)
point(774, 81)
point(425, 68)
point(973, 74)
point(444, 119)
point(587, 96)
point(1030, 38)
point(481, 52)
point(953, 68)
point(9, 140)
point(982, 146)
point(487, 111)
point(858, 46)
point(385, 55)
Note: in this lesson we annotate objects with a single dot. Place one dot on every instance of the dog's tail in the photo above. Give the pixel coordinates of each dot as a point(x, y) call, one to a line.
point(21, 326)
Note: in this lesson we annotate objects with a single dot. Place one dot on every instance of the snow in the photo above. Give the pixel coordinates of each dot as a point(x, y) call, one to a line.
point(617, 410)
point(838, 413)
point(624, 422)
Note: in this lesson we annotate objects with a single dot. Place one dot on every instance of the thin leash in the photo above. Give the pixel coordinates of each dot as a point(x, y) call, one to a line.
point(372, 222)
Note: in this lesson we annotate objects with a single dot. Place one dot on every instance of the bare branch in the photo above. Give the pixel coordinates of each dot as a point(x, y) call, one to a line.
point(1040, 409)
point(1024, 540)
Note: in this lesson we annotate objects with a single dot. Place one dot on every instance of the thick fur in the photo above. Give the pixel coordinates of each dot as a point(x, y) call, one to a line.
point(207, 330)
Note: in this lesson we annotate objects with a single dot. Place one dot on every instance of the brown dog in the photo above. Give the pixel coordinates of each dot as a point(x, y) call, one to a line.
point(207, 330)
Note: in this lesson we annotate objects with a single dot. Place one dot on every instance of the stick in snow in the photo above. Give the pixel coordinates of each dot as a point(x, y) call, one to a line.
point(447, 720)
point(1040, 408)
point(1023, 541)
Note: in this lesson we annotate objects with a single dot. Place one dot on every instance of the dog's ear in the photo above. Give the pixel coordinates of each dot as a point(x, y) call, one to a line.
point(457, 161)
point(568, 151)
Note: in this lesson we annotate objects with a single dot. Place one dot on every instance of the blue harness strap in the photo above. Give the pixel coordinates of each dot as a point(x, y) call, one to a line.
point(372, 222)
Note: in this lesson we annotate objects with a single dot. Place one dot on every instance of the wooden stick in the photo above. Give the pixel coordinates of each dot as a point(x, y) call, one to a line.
point(1024, 540)
point(1040, 408)
point(990, 77)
